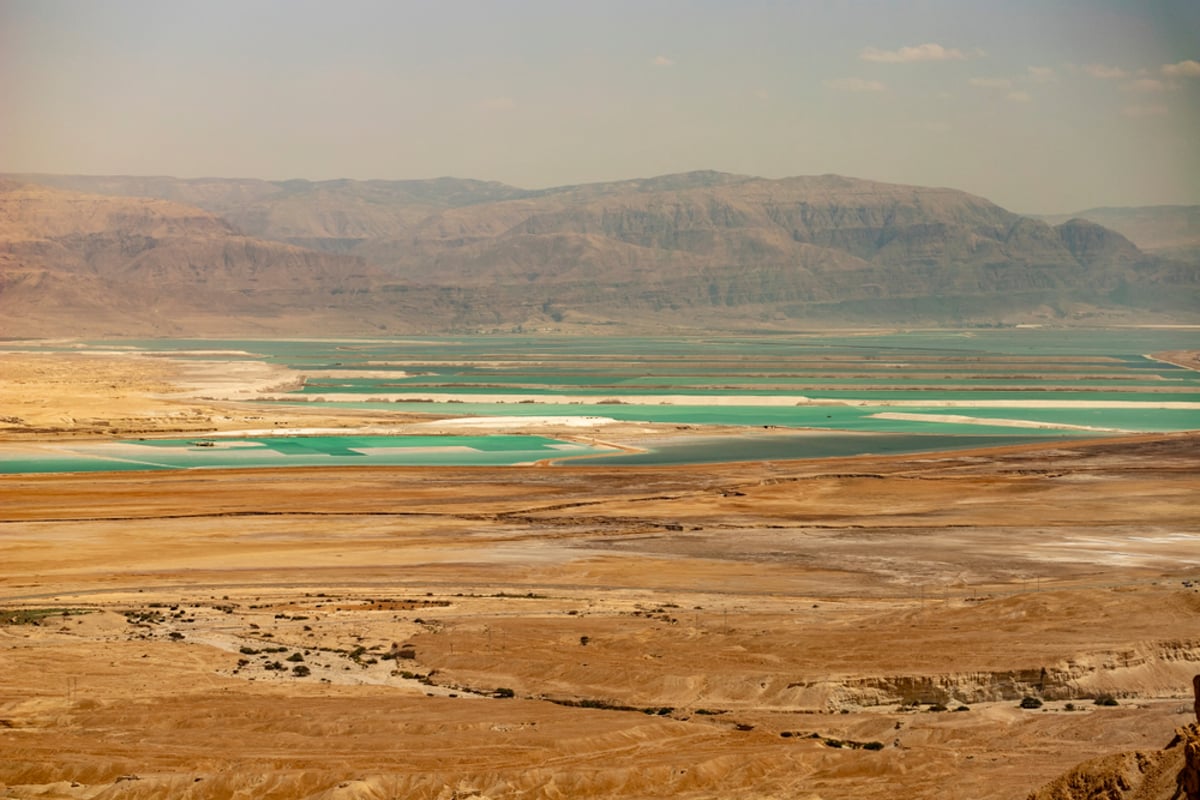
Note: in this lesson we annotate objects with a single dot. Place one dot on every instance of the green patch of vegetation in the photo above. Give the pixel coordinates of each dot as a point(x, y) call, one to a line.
point(34, 616)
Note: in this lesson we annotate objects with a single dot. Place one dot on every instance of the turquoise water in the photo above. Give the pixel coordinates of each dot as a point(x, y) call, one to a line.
point(861, 376)
point(159, 454)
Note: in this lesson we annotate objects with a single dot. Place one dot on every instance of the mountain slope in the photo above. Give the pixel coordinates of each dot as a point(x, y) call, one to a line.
point(752, 242)
point(696, 249)
point(126, 265)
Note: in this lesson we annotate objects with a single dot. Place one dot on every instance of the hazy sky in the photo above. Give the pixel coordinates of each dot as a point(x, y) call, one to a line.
point(1039, 105)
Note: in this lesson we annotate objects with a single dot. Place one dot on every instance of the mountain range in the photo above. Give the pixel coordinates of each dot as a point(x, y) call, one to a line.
point(122, 255)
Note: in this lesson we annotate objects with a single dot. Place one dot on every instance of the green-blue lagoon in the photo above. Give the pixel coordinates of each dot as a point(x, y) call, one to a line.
point(804, 395)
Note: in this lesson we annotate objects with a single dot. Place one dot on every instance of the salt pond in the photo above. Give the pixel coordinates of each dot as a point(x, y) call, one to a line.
point(291, 451)
point(868, 393)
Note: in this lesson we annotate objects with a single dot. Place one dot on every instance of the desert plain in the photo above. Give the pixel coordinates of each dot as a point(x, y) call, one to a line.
point(858, 627)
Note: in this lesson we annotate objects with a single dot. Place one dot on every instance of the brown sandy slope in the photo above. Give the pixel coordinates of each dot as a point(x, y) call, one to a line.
point(699, 632)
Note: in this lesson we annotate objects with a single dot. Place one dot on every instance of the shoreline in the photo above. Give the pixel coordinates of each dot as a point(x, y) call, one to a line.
point(73, 394)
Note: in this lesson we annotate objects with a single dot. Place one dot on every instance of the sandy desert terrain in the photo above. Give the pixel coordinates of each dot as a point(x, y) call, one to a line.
point(860, 627)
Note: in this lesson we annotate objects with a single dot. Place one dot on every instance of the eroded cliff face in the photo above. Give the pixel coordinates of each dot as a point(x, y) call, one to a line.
point(1172, 773)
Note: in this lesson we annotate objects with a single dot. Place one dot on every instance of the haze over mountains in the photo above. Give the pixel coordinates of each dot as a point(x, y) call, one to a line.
point(1164, 230)
point(155, 255)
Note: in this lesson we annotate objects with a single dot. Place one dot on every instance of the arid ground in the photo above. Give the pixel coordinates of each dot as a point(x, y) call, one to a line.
point(862, 627)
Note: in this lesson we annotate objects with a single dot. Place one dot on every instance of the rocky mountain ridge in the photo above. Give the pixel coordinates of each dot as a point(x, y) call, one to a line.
point(695, 249)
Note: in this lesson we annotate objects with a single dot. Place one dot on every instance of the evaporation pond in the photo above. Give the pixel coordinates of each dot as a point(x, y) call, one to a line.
point(288, 451)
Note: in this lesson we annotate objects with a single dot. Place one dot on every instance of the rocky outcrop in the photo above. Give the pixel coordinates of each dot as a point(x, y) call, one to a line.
point(1172, 773)
point(1149, 670)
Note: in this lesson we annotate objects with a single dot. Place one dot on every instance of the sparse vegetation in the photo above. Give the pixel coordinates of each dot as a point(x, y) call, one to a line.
point(34, 616)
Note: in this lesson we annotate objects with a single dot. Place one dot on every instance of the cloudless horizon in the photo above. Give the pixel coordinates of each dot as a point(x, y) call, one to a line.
point(1042, 107)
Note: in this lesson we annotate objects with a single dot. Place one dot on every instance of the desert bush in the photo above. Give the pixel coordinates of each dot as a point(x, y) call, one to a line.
point(1106, 700)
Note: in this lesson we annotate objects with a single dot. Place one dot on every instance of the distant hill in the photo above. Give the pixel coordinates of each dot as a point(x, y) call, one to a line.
point(1168, 230)
point(701, 249)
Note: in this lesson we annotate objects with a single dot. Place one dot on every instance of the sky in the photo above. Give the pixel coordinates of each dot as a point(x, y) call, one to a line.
point(1043, 106)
